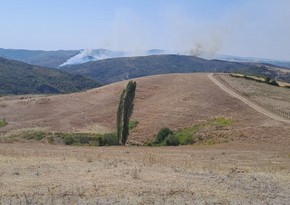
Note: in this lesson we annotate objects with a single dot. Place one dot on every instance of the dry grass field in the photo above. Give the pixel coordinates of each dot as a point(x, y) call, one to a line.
point(219, 174)
point(252, 168)
point(278, 97)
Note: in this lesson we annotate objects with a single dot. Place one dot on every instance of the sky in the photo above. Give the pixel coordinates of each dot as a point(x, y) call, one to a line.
point(247, 28)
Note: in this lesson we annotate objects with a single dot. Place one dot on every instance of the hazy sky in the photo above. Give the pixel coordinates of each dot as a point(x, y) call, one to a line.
point(253, 28)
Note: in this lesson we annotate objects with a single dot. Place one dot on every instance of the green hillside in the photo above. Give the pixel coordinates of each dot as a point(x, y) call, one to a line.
point(117, 69)
point(50, 59)
point(21, 78)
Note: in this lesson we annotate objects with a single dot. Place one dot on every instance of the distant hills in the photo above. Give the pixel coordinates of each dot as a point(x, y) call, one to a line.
point(22, 78)
point(108, 66)
point(117, 69)
point(281, 63)
point(56, 59)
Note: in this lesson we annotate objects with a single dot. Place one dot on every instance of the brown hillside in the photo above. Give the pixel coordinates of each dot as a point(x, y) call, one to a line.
point(175, 101)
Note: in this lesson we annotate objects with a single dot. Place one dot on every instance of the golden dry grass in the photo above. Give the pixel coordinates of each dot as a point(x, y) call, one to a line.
point(175, 101)
point(223, 174)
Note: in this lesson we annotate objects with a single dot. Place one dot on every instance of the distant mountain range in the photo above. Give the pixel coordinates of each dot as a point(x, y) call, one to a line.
point(281, 63)
point(117, 69)
point(22, 78)
point(56, 59)
point(50, 59)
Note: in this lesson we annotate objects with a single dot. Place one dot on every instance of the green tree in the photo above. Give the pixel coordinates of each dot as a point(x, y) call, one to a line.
point(128, 107)
point(267, 79)
point(119, 116)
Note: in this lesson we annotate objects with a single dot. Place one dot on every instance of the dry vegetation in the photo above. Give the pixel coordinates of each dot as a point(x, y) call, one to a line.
point(276, 97)
point(174, 101)
point(220, 174)
point(252, 168)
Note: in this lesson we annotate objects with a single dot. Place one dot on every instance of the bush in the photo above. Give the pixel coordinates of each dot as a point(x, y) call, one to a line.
point(171, 140)
point(92, 139)
point(68, 140)
point(50, 140)
point(3, 123)
point(185, 136)
point(108, 139)
point(83, 139)
point(36, 135)
point(133, 124)
point(273, 82)
point(162, 134)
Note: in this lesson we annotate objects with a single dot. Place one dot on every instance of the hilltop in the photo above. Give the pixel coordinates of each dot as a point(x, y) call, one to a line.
point(174, 100)
point(21, 78)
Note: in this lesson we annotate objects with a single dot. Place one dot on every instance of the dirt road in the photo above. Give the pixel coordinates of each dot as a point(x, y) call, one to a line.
point(246, 101)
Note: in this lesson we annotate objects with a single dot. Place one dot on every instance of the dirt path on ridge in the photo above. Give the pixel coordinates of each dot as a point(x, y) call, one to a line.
point(246, 101)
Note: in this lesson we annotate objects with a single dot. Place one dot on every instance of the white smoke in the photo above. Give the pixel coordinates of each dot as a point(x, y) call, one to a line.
point(88, 55)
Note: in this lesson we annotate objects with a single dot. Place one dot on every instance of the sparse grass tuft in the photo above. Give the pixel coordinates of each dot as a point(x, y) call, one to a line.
point(133, 124)
point(211, 142)
point(3, 123)
point(34, 135)
point(222, 122)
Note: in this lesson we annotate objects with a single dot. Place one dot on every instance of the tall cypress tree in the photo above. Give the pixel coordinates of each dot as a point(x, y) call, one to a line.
point(128, 108)
point(119, 116)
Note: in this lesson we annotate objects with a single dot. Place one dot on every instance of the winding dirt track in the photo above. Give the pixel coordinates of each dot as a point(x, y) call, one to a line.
point(249, 103)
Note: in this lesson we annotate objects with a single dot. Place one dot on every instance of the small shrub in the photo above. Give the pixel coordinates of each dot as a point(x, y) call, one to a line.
point(83, 139)
point(222, 122)
point(34, 135)
point(50, 140)
point(185, 136)
point(108, 139)
point(162, 134)
point(133, 124)
point(273, 82)
point(171, 140)
point(211, 142)
point(92, 139)
point(100, 141)
point(68, 140)
point(3, 123)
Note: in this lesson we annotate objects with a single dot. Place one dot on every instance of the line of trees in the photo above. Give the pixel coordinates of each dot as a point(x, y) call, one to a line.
point(124, 112)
